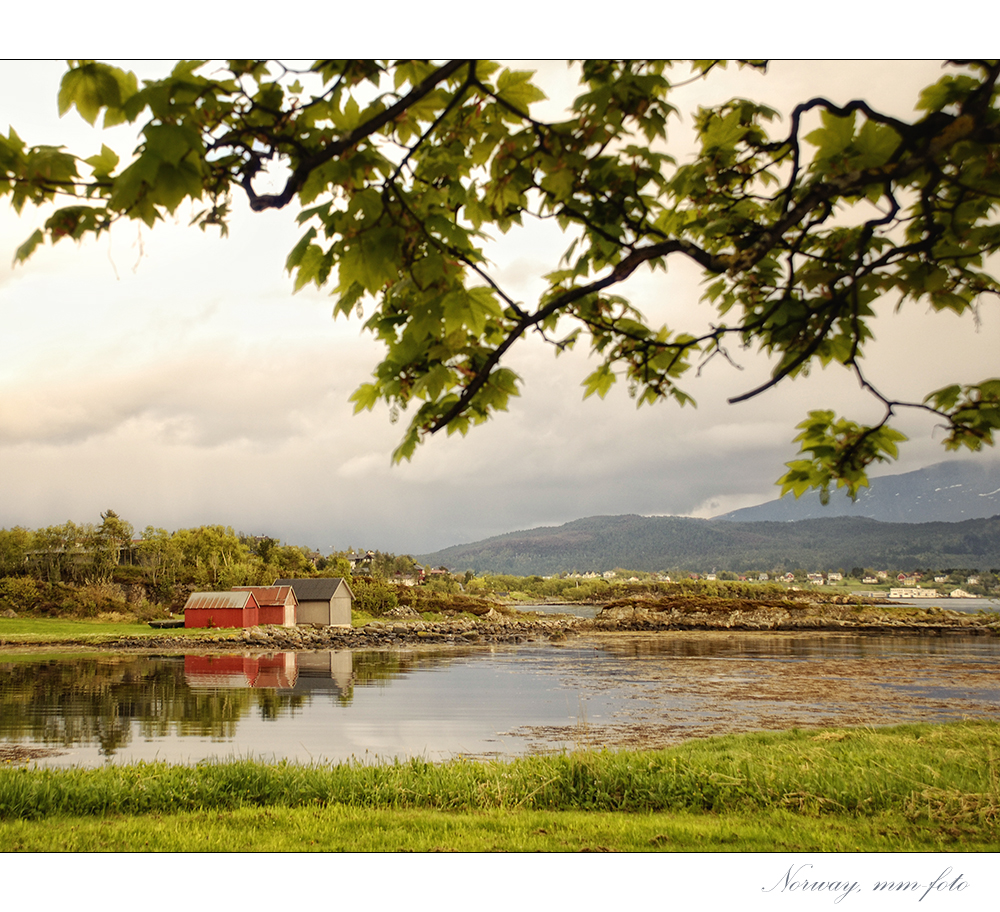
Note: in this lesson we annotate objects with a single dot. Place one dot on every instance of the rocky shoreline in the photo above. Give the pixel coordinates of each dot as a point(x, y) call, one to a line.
point(404, 628)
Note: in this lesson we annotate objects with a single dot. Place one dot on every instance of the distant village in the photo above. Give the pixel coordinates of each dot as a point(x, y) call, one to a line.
point(911, 585)
point(221, 578)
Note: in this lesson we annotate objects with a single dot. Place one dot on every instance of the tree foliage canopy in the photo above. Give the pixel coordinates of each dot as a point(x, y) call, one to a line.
point(401, 169)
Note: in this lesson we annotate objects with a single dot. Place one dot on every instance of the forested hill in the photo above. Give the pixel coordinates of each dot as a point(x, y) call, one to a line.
point(670, 542)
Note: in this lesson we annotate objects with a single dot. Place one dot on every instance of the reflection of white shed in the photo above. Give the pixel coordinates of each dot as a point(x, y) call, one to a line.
point(323, 601)
point(318, 669)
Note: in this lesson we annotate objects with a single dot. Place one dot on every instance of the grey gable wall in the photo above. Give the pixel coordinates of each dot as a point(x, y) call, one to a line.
point(326, 601)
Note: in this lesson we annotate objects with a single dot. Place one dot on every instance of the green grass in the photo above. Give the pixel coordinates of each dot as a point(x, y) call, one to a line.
point(337, 828)
point(43, 630)
point(908, 788)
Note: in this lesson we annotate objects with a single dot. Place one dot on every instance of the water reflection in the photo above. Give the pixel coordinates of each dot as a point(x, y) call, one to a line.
point(105, 700)
point(797, 645)
point(96, 700)
point(640, 690)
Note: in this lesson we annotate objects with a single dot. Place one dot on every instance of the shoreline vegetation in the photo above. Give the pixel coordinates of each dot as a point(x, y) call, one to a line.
point(417, 617)
point(105, 571)
point(911, 787)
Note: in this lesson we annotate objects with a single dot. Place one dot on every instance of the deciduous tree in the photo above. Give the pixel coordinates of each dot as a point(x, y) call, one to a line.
point(400, 170)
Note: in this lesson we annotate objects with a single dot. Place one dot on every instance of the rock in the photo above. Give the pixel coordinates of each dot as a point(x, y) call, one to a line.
point(401, 611)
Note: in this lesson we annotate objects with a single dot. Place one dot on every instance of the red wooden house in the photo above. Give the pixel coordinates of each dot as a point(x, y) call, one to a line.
point(221, 609)
point(278, 604)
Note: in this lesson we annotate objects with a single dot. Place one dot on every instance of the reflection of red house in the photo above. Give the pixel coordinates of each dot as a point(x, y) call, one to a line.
point(278, 670)
point(275, 671)
point(277, 604)
point(219, 670)
point(221, 609)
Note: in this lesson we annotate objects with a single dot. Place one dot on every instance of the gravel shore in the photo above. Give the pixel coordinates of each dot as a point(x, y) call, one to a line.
point(405, 628)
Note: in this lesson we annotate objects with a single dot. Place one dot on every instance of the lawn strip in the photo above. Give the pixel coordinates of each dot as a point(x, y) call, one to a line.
point(337, 828)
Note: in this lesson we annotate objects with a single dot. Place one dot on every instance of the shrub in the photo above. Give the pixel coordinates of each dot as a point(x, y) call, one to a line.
point(96, 598)
point(19, 593)
point(148, 611)
point(373, 596)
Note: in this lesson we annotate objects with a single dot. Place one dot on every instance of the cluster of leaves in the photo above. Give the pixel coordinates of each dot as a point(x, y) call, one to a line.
point(401, 168)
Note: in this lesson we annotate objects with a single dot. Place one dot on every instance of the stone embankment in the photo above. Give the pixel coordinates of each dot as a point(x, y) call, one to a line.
point(406, 628)
point(492, 627)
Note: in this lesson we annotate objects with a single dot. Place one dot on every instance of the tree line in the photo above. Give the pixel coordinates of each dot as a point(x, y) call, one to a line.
point(93, 567)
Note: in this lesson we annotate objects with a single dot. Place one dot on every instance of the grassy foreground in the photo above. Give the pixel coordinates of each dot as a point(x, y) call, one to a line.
point(908, 788)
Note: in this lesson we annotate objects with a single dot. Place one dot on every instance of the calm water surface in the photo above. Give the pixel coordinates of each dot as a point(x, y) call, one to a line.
point(967, 605)
point(641, 691)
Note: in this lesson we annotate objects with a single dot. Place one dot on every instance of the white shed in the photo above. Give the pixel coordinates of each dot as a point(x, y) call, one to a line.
point(325, 601)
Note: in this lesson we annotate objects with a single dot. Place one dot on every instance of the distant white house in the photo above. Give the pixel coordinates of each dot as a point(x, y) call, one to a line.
point(360, 559)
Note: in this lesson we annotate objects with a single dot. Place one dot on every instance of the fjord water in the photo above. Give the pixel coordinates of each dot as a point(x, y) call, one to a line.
point(635, 690)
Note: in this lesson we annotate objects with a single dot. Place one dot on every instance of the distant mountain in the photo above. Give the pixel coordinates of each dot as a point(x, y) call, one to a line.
point(946, 492)
point(671, 542)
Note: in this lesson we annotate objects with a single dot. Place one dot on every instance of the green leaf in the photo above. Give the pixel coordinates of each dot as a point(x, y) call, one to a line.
point(875, 144)
point(175, 184)
point(599, 382)
point(365, 397)
point(310, 267)
point(945, 398)
point(834, 136)
point(171, 142)
point(92, 86)
point(370, 260)
point(298, 251)
point(515, 87)
point(28, 247)
point(103, 164)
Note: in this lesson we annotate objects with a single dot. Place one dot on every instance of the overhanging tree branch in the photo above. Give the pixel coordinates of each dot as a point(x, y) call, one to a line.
point(302, 171)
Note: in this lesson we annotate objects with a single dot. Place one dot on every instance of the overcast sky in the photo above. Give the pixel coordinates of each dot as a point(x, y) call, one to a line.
point(172, 376)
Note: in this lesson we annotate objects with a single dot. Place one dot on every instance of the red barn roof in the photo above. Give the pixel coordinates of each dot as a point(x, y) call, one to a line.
point(268, 595)
point(212, 601)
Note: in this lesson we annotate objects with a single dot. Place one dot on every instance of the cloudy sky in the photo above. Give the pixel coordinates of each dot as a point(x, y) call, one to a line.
point(172, 376)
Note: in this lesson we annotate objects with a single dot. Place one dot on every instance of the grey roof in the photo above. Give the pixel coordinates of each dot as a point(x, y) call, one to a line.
point(315, 590)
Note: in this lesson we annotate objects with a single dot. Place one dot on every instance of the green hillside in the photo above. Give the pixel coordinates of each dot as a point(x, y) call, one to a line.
point(669, 542)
